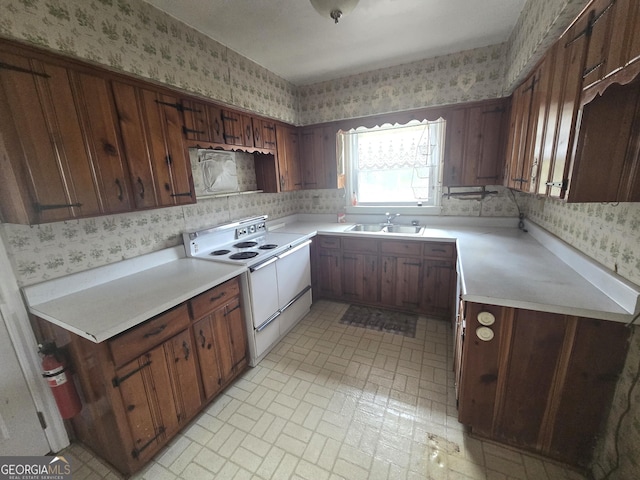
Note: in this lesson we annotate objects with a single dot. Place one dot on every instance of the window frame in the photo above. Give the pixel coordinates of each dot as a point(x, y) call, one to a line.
point(351, 184)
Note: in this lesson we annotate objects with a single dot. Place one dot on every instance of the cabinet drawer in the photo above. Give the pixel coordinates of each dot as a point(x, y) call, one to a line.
point(360, 244)
point(211, 299)
point(441, 250)
point(143, 338)
point(402, 248)
point(329, 242)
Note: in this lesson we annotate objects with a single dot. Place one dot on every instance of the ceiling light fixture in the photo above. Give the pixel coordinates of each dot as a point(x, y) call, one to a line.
point(334, 9)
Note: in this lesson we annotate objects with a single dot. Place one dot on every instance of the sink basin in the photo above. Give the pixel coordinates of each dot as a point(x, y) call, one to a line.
point(406, 229)
point(365, 228)
point(377, 228)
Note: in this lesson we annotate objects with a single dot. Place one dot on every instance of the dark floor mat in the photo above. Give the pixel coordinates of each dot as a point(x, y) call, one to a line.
point(380, 320)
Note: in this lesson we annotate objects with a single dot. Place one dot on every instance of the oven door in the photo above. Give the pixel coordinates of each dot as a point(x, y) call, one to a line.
point(294, 272)
point(263, 287)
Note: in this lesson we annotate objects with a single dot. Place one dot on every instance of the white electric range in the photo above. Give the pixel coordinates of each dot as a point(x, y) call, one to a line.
point(277, 287)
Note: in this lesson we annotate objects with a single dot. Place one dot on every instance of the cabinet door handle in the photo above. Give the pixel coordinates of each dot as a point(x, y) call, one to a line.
point(120, 192)
point(141, 187)
point(227, 312)
point(217, 297)
point(203, 339)
point(156, 331)
point(187, 351)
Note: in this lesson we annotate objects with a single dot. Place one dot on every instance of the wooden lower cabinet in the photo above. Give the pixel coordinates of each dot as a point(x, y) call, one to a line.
point(140, 388)
point(413, 276)
point(544, 382)
point(221, 342)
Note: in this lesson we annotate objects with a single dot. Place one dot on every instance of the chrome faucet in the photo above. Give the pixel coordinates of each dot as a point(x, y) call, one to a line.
point(390, 217)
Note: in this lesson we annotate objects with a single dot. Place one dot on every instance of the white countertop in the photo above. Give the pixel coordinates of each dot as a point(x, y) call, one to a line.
point(508, 267)
point(99, 310)
point(498, 265)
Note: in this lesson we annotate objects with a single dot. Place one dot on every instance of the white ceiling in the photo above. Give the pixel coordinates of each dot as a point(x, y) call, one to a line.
point(289, 38)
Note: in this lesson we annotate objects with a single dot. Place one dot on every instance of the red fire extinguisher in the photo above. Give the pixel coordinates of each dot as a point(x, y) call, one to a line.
point(60, 381)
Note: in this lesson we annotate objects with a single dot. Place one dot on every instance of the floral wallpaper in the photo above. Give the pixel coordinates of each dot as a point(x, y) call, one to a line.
point(465, 76)
point(134, 37)
point(607, 232)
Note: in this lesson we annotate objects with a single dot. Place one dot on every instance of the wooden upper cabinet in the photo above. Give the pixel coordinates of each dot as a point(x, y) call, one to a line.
point(601, 16)
point(288, 158)
point(566, 90)
point(264, 134)
point(614, 39)
point(607, 160)
point(202, 121)
point(318, 157)
point(238, 129)
point(517, 170)
point(151, 127)
point(474, 147)
point(59, 144)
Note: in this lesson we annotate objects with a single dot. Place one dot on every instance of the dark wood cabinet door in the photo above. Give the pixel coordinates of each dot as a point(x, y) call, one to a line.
point(268, 134)
point(151, 127)
point(439, 285)
point(588, 391)
point(99, 119)
point(388, 287)
point(597, 65)
point(181, 359)
point(147, 396)
point(474, 149)
point(207, 356)
point(607, 160)
point(169, 158)
point(46, 143)
point(222, 342)
point(288, 158)
point(233, 127)
point(517, 174)
point(318, 157)
point(237, 334)
point(453, 169)
point(330, 272)
point(409, 286)
point(129, 104)
point(195, 121)
point(535, 342)
point(546, 112)
point(567, 88)
point(353, 276)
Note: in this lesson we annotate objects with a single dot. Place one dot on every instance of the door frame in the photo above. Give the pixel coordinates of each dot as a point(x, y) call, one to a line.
point(24, 343)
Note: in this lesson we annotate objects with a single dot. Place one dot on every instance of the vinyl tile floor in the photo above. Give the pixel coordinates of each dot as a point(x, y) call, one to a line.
point(337, 402)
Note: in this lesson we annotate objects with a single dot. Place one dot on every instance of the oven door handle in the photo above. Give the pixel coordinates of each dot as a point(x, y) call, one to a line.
point(269, 320)
point(295, 249)
point(269, 261)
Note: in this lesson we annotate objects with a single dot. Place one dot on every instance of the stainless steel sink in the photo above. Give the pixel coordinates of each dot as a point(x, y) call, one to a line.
point(365, 227)
point(381, 228)
point(406, 229)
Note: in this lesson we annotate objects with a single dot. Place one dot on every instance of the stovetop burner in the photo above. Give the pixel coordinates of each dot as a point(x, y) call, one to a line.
point(219, 252)
point(245, 245)
point(268, 246)
point(243, 255)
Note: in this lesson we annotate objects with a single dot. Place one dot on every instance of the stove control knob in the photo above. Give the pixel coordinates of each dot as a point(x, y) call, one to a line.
point(252, 228)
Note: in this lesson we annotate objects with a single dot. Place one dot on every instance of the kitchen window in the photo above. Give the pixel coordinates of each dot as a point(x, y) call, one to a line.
point(397, 165)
